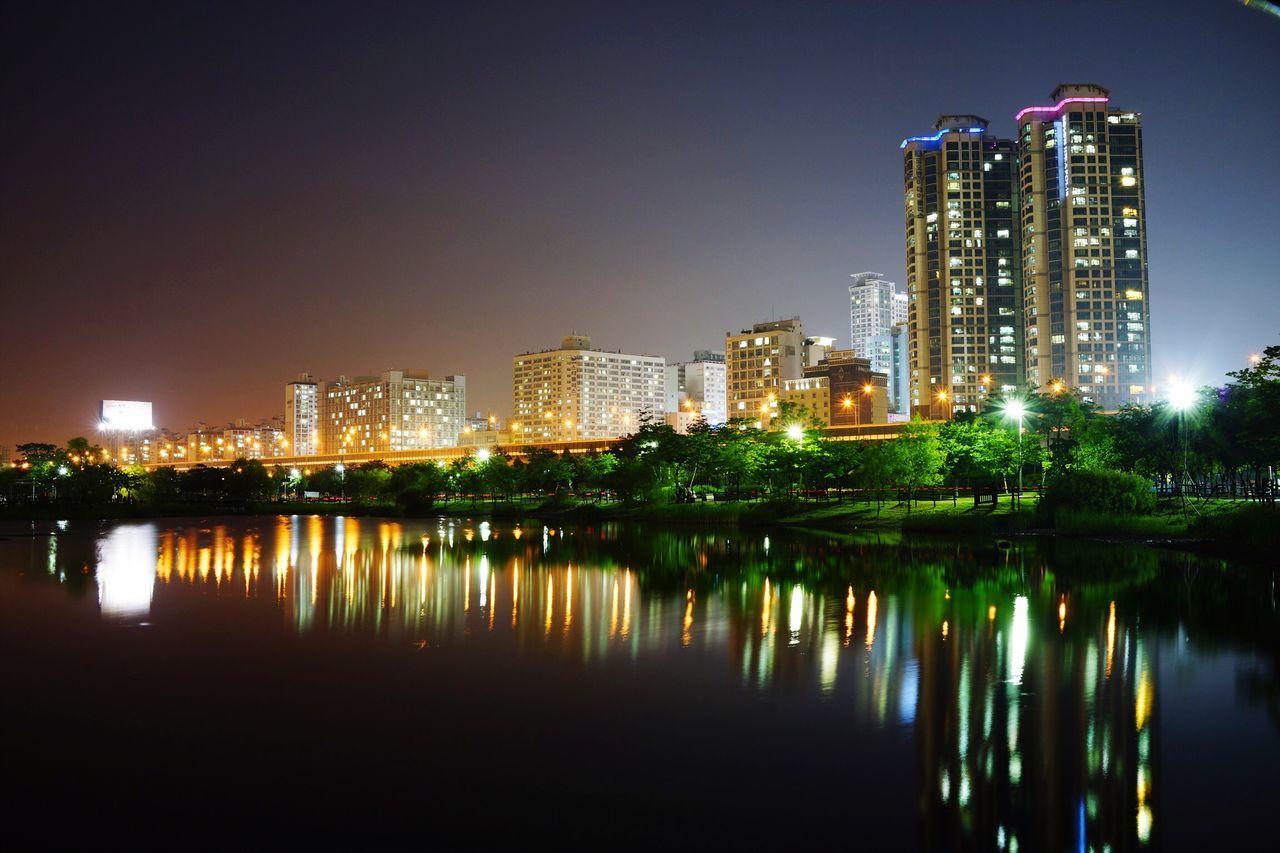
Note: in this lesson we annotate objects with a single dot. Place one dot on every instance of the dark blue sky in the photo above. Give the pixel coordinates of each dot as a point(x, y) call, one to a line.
point(197, 203)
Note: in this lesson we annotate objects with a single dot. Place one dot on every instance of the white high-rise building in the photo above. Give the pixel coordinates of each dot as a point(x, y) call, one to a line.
point(698, 387)
point(875, 307)
point(579, 392)
point(302, 415)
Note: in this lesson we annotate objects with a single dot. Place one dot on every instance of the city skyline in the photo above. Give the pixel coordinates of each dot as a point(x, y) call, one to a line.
point(402, 235)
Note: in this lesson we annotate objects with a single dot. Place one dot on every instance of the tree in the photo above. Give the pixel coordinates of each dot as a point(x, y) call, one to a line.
point(918, 457)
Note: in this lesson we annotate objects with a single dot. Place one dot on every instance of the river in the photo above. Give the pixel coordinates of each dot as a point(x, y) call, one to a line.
point(460, 682)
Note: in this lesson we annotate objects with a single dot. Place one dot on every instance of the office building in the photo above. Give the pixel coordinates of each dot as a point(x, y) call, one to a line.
point(578, 392)
point(697, 388)
point(890, 351)
point(1084, 246)
point(875, 307)
point(302, 415)
point(397, 410)
point(964, 286)
point(757, 361)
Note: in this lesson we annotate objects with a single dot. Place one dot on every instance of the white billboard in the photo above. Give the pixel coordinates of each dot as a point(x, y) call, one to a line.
point(125, 415)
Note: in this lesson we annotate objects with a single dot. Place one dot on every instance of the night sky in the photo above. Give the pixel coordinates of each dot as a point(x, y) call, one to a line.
point(198, 201)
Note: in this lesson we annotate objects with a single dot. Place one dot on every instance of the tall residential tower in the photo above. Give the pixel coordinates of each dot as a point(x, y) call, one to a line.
point(963, 270)
point(1084, 246)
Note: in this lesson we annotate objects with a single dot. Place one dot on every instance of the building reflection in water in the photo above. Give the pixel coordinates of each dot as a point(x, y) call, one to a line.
point(127, 569)
point(1032, 704)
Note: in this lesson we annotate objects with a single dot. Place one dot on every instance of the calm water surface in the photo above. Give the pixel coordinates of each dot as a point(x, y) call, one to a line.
point(466, 683)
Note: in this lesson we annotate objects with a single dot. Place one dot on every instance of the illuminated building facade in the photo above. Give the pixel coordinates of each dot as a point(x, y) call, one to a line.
point(398, 410)
point(964, 289)
point(1084, 241)
point(875, 307)
point(841, 390)
point(302, 415)
point(266, 440)
point(579, 392)
point(698, 387)
point(757, 361)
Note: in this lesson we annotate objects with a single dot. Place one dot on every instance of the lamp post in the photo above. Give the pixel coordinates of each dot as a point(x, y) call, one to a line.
point(1182, 397)
point(1017, 409)
point(341, 471)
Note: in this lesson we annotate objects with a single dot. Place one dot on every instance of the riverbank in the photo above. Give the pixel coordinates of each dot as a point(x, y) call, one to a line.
point(1217, 526)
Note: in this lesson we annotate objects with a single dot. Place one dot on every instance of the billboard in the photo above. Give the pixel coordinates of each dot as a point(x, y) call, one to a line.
point(125, 415)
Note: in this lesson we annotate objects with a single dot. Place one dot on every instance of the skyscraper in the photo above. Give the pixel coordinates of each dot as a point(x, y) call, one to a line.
point(963, 270)
point(875, 307)
point(1084, 246)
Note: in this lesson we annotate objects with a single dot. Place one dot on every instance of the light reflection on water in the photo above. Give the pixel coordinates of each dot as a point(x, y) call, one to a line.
point(1032, 696)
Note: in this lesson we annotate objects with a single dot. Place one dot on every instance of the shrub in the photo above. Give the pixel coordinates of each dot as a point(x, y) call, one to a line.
point(1098, 491)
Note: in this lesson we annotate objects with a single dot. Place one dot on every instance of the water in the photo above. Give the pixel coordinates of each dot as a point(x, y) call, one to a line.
point(362, 681)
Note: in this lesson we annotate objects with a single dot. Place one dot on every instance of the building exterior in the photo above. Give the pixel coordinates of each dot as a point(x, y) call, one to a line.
point(1084, 246)
point(757, 361)
point(841, 390)
point(579, 392)
point(697, 387)
point(302, 415)
point(891, 350)
point(681, 421)
point(204, 443)
point(816, 348)
point(812, 394)
point(397, 410)
point(875, 307)
point(265, 440)
point(964, 285)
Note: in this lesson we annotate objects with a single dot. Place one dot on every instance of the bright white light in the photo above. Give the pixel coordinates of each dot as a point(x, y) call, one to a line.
point(126, 415)
point(1181, 395)
point(482, 455)
point(62, 470)
point(795, 432)
point(1015, 409)
point(340, 468)
point(127, 571)
point(295, 473)
point(1019, 632)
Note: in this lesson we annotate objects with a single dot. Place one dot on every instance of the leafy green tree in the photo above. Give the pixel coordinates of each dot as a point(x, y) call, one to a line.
point(919, 457)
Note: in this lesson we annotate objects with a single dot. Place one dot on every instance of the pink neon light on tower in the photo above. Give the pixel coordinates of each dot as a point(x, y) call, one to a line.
point(1070, 93)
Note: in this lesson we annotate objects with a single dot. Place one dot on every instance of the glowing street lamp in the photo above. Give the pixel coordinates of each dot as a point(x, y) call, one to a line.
point(1017, 410)
point(1182, 397)
point(482, 455)
point(795, 432)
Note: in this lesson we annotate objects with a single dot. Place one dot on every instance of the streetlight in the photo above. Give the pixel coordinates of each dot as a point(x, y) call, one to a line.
point(795, 432)
point(341, 471)
point(1182, 397)
point(1017, 409)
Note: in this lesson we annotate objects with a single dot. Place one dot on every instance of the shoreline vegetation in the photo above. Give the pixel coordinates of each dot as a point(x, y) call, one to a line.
point(1227, 527)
